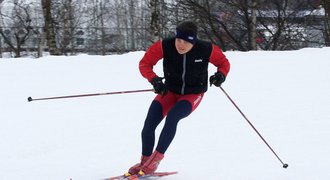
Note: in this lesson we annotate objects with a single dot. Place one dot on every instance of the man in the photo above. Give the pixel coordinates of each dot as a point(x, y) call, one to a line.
point(185, 66)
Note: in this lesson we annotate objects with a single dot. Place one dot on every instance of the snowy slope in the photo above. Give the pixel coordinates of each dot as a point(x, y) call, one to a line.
point(286, 95)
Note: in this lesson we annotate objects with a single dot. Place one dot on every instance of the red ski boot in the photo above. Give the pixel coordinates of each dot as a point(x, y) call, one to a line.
point(137, 167)
point(151, 165)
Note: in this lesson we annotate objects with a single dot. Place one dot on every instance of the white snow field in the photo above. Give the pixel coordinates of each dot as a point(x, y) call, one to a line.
point(286, 96)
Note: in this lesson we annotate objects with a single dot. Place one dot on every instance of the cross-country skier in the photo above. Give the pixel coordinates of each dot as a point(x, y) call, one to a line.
point(185, 67)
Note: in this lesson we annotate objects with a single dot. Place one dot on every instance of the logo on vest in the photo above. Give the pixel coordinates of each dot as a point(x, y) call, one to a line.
point(198, 60)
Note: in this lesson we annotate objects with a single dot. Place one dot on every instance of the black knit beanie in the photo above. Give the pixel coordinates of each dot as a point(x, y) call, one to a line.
point(187, 31)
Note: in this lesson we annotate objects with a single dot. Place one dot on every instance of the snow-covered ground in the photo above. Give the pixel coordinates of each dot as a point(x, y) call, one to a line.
point(286, 95)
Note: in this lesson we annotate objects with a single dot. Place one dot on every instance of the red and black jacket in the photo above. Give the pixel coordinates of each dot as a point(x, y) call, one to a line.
point(184, 73)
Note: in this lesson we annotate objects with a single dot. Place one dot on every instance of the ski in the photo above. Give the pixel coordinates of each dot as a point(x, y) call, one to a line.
point(144, 177)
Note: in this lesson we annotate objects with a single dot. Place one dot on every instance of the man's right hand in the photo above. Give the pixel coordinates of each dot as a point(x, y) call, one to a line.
point(159, 86)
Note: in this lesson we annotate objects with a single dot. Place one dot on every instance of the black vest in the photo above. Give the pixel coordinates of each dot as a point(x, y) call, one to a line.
point(187, 73)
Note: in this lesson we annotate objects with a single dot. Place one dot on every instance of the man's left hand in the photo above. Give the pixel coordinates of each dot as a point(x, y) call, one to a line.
point(217, 79)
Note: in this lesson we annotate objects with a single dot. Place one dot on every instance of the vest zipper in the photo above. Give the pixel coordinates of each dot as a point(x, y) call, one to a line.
point(183, 74)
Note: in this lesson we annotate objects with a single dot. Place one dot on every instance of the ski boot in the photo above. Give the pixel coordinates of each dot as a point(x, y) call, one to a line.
point(152, 163)
point(137, 167)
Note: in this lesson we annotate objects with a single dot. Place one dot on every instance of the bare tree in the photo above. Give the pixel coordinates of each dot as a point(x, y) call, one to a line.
point(326, 4)
point(132, 21)
point(64, 15)
point(49, 27)
point(218, 21)
point(19, 21)
point(119, 25)
point(284, 23)
point(1, 24)
point(100, 36)
point(253, 25)
point(71, 21)
point(131, 10)
point(250, 24)
point(155, 19)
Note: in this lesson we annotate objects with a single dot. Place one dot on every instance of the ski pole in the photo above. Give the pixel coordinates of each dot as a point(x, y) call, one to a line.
point(230, 99)
point(85, 95)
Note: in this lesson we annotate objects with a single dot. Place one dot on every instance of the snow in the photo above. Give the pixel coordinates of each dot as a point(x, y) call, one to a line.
point(284, 94)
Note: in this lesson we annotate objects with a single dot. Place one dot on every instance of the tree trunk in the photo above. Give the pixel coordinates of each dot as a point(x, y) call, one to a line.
point(155, 20)
point(41, 43)
point(0, 46)
point(326, 4)
point(132, 23)
point(18, 47)
point(103, 33)
point(49, 28)
point(253, 24)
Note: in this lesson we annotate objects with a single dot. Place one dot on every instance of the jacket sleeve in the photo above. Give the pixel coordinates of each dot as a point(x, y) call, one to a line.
point(150, 59)
point(218, 59)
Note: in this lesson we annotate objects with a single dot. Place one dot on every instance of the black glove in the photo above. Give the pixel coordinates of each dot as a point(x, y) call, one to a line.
point(159, 86)
point(217, 79)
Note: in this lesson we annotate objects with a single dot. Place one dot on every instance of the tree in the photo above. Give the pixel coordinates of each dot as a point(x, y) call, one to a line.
point(250, 24)
point(286, 24)
point(104, 26)
point(326, 4)
point(155, 20)
point(223, 22)
point(253, 25)
point(64, 11)
point(18, 22)
point(49, 27)
point(1, 31)
point(132, 22)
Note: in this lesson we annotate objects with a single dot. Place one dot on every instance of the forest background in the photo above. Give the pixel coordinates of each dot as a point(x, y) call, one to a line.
point(70, 27)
